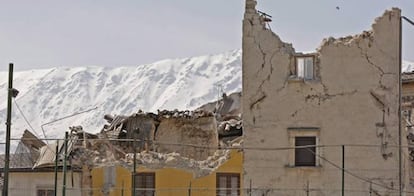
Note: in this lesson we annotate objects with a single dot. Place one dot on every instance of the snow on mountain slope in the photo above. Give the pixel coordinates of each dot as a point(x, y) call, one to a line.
point(407, 66)
point(49, 94)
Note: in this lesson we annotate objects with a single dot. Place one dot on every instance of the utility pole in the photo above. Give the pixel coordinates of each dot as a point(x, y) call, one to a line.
point(189, 189)
point(134, 172)
point(343, 170)
point(399, 111)
point(64, 164)
point(11, 93)
point(307, 188)
point(56, 164)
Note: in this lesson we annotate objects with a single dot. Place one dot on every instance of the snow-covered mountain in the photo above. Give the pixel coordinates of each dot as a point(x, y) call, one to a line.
point(50, 94)
point(407, 66)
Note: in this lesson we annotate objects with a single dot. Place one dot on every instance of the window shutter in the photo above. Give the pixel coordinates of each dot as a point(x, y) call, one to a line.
point(300, 67)
point(308, 64)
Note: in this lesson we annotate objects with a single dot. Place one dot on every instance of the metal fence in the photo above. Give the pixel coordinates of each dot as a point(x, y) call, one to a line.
point(202, 191)
point(330, 164)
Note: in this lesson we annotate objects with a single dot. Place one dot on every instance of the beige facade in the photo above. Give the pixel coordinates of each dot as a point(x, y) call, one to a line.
point(345, 93)
point(34, 183)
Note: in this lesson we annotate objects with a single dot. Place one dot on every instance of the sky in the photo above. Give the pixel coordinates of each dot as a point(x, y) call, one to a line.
point(50, 33)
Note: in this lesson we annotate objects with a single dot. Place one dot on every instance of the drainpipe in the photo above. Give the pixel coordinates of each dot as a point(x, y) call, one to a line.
point(399, 110)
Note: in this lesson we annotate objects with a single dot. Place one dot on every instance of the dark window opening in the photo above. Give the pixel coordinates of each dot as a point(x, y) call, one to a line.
point(228, 184)
point(305, 156)
point(45, 192)
point(145, 184)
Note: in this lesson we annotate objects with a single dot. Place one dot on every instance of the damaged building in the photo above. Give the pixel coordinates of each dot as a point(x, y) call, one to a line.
point(200, 149)
point(408, 119)
point(32, 169)
point(167, 131)
point(311, 109)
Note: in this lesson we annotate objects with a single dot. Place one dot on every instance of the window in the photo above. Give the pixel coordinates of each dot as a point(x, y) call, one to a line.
point(305, 156)
point(45, 192)
point(228, 184)
point(145, 184)
point(304, 67)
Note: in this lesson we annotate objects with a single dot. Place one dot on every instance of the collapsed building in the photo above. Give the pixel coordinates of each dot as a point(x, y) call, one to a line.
point(199, 142)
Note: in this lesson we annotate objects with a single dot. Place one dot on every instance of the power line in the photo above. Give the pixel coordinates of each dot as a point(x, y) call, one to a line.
point(352, 174)
point(259, 148)
point(65, 117)
point(24, 117)
point(241, 147)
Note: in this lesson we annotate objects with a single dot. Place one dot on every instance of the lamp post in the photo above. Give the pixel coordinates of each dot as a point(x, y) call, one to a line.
point(12, 93)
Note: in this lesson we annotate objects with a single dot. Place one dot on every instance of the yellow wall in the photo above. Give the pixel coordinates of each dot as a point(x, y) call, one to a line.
point(122, 186)
point(97, 180)
point(170, 181)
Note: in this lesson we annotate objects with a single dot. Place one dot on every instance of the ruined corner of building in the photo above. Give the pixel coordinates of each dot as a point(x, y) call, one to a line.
point(272, 63)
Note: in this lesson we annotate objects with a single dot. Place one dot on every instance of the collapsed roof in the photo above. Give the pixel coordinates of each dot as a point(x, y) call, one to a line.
point(189, 140)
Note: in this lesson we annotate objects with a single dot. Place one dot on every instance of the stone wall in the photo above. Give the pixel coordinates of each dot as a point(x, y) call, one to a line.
point(187, 136)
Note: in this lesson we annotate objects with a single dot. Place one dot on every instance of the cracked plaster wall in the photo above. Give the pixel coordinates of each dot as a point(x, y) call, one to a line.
point(185, 134)
point(353, 99)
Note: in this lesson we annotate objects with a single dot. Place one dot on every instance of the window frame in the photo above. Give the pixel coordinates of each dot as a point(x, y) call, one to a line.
point(143, 186)
point(296, 68)
point(294, 132)
point(45, 191)
point(228, 187)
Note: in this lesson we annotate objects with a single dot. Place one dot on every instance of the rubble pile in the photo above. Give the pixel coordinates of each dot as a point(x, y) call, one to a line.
point(155, 160)
point(184, 114)
point(348, 40)
point(194, 141)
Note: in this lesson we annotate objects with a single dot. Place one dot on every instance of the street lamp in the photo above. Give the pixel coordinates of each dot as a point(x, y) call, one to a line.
point(12, 93)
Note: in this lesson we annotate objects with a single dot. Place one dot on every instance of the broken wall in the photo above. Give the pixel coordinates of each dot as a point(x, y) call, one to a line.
point(352, 100)
point(191, 137)
point(142, 128)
